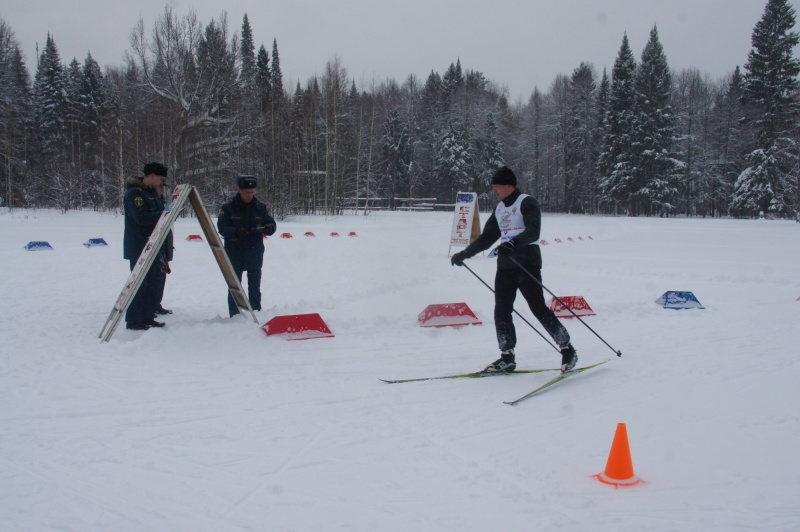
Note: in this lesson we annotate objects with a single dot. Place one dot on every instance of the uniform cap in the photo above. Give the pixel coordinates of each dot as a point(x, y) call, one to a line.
point(246, 181)
point(155, 167)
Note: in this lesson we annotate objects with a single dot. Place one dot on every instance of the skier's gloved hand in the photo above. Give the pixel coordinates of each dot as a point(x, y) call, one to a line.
point(268, 229)
point(242, 232)
point(458, 259)
point(507, 247)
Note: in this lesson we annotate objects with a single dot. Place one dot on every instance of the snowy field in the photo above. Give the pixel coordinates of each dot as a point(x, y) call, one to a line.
point(210, 425)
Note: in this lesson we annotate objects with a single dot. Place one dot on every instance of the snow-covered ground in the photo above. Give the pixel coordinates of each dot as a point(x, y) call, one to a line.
point(210, 425)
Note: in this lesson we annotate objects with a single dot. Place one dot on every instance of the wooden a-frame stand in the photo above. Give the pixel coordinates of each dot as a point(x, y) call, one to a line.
point(180, 195)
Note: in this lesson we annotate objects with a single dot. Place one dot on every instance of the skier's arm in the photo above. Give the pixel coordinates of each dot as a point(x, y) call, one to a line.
point(490, 234)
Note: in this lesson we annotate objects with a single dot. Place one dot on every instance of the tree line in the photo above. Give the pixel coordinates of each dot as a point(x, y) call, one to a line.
point(642, 140)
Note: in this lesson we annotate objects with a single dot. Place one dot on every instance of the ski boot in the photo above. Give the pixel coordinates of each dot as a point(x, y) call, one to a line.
point(504, 364)
point(568, 358)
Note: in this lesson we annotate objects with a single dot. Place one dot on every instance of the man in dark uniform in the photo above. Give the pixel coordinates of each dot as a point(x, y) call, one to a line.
point(516, 221)
point(243, 222)
point(143, 207)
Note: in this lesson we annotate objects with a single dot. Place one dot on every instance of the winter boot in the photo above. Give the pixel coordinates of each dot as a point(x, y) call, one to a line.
point(504, 364)
point(568, 358)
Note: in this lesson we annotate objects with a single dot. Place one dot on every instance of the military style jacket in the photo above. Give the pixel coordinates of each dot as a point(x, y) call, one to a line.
point(246, 252)
point(143, 207)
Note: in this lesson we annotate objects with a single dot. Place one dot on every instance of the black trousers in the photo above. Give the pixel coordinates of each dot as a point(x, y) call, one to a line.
point(161, 281)
point(143, 306)
point(506, 284)
point(253, 290)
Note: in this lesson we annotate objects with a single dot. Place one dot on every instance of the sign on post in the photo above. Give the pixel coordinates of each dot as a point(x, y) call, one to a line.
point(466, 220)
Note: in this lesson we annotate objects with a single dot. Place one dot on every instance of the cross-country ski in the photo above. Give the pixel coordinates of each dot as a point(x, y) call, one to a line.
point(553, 382)
point(474, 375)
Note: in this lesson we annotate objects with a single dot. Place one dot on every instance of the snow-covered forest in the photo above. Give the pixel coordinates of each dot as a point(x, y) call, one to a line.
point(206, 100)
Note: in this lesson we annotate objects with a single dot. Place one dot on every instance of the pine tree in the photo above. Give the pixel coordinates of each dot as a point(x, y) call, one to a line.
point(276, 76)
point(93, 96)
point(599, 132)
point(248, 71)
point(452, 83)
point(15, 116)
point(50, 99)
point(616, 163)
point(769, 183)
point(279, 130)
point(431, 125)
point(489, 153)
point(55, 113)
point(432, 95)
point(580, 151)
point(216, 66)
point(728, 141)
point(534, 135)
point(453, 162)
point(94, 103)
point(396, 153)
point(601, 104)
point(656, 168)
point(263, 79)
point(210, 135)
point(771, 71)
point(248, 116)
point(692, 99)
point(754, 191)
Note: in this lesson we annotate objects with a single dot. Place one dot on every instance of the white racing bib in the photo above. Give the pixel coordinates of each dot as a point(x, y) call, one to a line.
point(510, 219)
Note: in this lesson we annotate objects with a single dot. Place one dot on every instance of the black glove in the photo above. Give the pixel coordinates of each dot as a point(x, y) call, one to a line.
point(242, 232)
point(268, 229)
point(458, 259)
point(507, 247)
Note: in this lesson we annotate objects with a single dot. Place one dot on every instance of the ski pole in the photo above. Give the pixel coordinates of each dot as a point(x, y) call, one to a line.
point(617, 352)
point(515, 311)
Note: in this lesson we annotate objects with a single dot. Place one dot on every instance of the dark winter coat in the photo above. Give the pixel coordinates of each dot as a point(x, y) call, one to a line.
point(246, 252)
point(143, 207)
point(523, 253)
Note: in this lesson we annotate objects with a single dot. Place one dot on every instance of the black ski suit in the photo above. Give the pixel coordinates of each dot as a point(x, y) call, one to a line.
point(510, 277)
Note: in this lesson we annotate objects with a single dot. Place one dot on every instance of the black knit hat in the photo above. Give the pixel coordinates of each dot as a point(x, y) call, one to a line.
point(155, 167)
point(504, 176)
point(246, 181)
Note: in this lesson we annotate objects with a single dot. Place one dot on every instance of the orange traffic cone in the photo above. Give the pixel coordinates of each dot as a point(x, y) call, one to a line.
point(619, 468)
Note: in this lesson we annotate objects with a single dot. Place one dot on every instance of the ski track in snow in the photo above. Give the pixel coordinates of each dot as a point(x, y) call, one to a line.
point(210, 425)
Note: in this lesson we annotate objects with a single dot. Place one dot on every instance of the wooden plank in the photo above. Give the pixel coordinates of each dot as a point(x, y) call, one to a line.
point(221, 256)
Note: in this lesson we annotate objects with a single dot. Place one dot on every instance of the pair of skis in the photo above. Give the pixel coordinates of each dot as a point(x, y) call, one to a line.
point(480, 374)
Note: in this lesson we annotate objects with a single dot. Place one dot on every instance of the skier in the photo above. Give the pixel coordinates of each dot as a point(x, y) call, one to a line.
point(243, 222)
point(516, 222)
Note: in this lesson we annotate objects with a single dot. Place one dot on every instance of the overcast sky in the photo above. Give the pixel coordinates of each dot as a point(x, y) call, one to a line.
point(520, 44)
